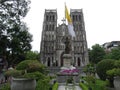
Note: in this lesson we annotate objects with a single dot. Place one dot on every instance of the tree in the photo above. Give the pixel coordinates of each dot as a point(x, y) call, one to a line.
point(96, 54)
point(113, 54)
point(34, 55)
point(14, 35)
point(103, 66)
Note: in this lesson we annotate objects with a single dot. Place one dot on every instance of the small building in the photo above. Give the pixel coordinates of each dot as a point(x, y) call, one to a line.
point(110, 45)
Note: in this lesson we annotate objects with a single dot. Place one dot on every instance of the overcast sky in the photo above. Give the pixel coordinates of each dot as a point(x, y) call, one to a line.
point(102, 19)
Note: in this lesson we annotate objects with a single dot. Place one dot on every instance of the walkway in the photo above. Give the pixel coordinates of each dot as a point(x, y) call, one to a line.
point(62, 87)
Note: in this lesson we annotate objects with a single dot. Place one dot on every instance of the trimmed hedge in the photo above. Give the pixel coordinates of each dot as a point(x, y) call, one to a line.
point(55, 86)
point(83, 86)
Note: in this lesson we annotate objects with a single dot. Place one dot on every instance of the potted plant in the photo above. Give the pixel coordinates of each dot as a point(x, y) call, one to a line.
point(25, 75)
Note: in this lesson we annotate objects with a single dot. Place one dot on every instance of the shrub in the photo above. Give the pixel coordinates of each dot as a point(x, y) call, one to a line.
point(34, 75)
point(43, 84)
point(28, 69)
point(5, 87)
point(30, 66)
point(117, 64)
point(103, 66)
point(113, 72)
point(13, 73)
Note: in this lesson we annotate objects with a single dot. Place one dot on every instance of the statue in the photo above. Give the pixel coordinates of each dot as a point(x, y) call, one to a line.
point(67, 46)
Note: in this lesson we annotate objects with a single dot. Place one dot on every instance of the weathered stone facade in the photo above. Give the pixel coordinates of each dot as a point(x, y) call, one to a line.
point(53, 39)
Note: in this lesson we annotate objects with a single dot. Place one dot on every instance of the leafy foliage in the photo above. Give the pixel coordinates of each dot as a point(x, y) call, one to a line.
point(115, 71)
point(14, 36)
point(55, 86)
point(28, 69)
point(114, 54)
point(96, 54)
point(13, 73)
point(6, 86)
point(43, 84)
point(34, 55)
point(91, 83)
point(89, 69)
point(31, 66)
point(103, 66)
point(83, 86)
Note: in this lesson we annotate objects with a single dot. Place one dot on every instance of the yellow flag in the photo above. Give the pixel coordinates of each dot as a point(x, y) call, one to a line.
point(67, 15)
point(70, 25)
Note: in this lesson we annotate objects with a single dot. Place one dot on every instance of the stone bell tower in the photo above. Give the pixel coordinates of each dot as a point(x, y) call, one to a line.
point(48, 42)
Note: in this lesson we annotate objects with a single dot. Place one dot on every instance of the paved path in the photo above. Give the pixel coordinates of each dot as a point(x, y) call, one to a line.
point(62, 87)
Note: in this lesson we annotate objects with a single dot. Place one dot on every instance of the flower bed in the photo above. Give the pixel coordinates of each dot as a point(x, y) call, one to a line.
point(69, 71)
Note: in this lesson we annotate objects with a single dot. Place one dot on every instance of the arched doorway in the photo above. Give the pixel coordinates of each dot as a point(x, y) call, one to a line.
point(61, 59)
point(48, 63)
point(78, 61)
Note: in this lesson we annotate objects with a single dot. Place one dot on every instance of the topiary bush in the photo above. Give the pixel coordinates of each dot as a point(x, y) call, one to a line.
point(28, 69)
point(104, 66)
point(31, 66)
point(13, 73)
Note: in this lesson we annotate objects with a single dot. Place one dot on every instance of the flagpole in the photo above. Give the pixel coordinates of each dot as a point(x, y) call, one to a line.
point(64, 11)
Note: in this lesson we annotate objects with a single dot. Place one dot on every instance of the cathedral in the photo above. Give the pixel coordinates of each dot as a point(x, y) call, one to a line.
point(53, 37)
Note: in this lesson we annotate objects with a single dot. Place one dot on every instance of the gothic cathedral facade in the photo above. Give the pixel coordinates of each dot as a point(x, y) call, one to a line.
point(53, 36)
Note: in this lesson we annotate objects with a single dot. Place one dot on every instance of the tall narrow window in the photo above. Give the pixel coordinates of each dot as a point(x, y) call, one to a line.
point(53, 18)
point(46, 17)
point(50, 17)
point(79, 17)
point(49, 27)
point(73, 18)
point(53, 27)
point(79, 61)
point(48, 62)
point(46, 27)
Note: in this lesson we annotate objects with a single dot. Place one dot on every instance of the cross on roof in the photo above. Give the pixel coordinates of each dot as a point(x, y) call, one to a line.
point(63, 20)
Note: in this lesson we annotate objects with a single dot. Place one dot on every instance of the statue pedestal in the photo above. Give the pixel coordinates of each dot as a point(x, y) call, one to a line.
point(67, 60)
point(67, 71)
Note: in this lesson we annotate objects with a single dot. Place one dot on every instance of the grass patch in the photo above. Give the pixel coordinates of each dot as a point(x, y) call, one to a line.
point(99, 85)
point(96, 85)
